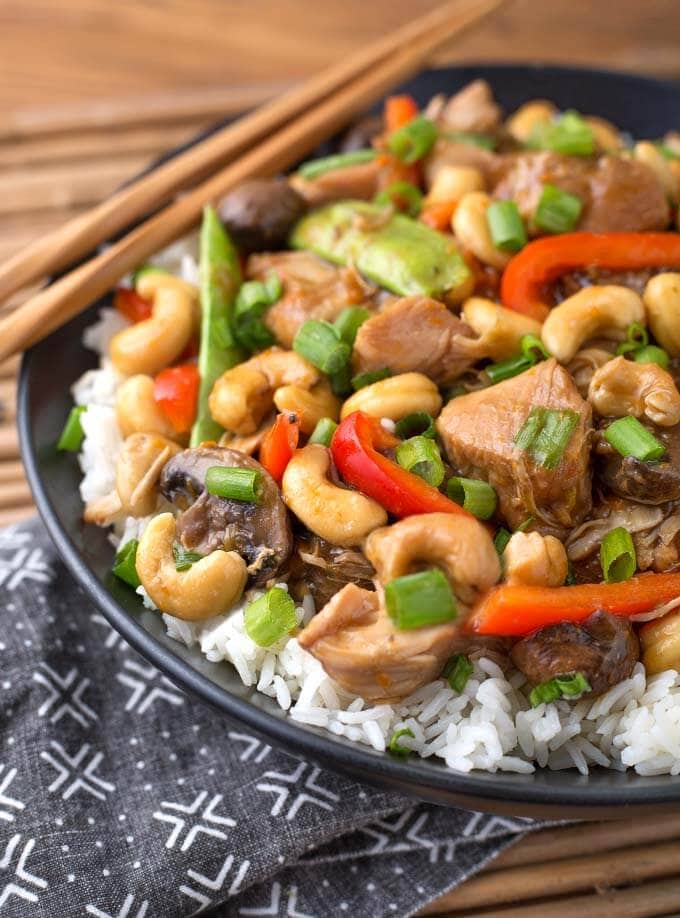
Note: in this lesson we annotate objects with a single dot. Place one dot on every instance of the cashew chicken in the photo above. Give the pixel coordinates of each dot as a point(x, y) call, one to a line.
point(622, 387)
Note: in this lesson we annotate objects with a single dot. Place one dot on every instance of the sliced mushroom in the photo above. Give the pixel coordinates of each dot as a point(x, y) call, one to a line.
point(645, 482)
point(322, 569)
point(259, 213)
point(259, 532)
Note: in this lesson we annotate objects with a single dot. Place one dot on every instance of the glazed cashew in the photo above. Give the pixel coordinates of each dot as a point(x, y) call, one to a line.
point(535, 560)
point(472, 231)
point(138, 470)
point(607, 137)
point(395, 397)
point(660, 643)
point(649, 154)
point(137, 410)
point(521, 124)
point(338, 515)
point(583, 366)
point(662, 302)
point(644, 390)
point(210, 586)
point(154, 343)
point(458, 544)
point(242, 396)
point(499, 330)
point(310, 405)
point(590, 312)
point(452, 182)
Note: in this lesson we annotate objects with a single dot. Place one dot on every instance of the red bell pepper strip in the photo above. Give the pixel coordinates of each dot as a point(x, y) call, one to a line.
point(279, 444)
point(399, 110)
point(518, 610)
point(526, 277)
point(175, 391)
point(438, 215)
point(355, 446)
point(128, 302)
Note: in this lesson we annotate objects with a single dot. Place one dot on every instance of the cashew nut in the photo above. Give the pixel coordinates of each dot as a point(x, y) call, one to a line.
point(138, 470)
point(137, 410)
point(590, 312)
point(584, 364)
point(607, 137)
point(104, 510)
point(210, 586)
point(660, 643)
point(310, 405)
point(521, 124)
point(452, 182)
point(649, 154)
point(472, 230)
point(662, 302)
point(395, 397)
point(499, 330)
point(644, 390)
point(458, 544)
point(532, 559)
point(242, 396)
point(154, 343)
point(338, 515)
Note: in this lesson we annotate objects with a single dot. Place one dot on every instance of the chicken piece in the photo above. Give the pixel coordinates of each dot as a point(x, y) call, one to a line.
point(414, 334)
point(472, 109)
point(312, 289)
point(447, 152)
point(360, 182)
point(478, 431)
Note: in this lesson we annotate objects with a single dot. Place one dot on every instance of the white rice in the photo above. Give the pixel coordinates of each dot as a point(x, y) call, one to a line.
point(489, 726)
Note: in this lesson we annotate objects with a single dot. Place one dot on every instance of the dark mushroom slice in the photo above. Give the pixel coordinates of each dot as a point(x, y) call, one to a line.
point(260, 213)
point(645, 482)
point(323, 569)
point(260, 532)
point(604, 648)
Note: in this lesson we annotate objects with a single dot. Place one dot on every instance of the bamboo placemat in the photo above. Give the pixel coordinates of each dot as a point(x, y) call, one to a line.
point(51, 170)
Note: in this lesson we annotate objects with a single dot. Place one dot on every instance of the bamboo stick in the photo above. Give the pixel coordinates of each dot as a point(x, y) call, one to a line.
point(9, 368)
point(14, 494)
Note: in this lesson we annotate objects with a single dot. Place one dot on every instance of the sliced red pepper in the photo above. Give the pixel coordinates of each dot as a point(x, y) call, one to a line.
point(399, 110)
point(279, 444)
point(518, 610)
point(438, 215)
point(131, 304)
point(355, 448)
point(175, 391)
point(524, 283)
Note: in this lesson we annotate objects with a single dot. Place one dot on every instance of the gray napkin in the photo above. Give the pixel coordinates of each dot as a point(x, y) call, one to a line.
point(121, 796)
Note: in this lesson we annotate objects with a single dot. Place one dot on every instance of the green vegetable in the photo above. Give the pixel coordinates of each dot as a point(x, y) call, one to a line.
point(394, 251)
point(568, 134)
point(501, 539)
point(313, 168)
point(652, 354)
point(507, 229)
point(402, 195)
point(526, 524)
point(323, 432)
point(630, 438)
point(545, 435)
point(320, 343)
point(420, 455)
point(617, 555)
point(72, 435)
point(350, 321)
point(220, 280)
point(636, 338)
point(394, 747)
point(252, 301)
point(183, 558)
point(124, 567)
point(557, 211)
point(370, 377)
point(234, 483)
point(270, 618)
point(570, 579)
point(420, 424)
point(506, 369)
point(532, 346)
point(477, 497)
point(419, 600)
point(566, 686)
point(666, 151)
point(457, 671)
point(414, 140)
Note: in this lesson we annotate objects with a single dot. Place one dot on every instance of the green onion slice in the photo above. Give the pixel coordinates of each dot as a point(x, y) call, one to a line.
point(506, 226)
point(526, 524)
point(183, 558)
point(124, 567)
point(617, 555)
point(636, 338)
point(313, 168)
point(234, 483)
point(341, 382)
point(557, 211)
point(274, 287)
point(421, 456)
point(372, 376)
point(457, 671)
point(323, 432)
point(666, 151)
point(414, 140)
point(532, 346)
point(471, 138)
point(420, 424)
point(477, 497)
point(565, 686)
point(394, 747)
point(350, 321)
point(506, 369)
point(252, 301)
point(545, 435)
point(569, 134)
point(419, 600)
point(403, 195)
point(630, 438)
point(570, 579)
point(652, 354)
point(72, 435)
point(270, 618)
point(501, 539)
point(321, 344)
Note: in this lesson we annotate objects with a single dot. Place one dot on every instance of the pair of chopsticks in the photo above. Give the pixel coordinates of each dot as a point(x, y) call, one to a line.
point(269, 140)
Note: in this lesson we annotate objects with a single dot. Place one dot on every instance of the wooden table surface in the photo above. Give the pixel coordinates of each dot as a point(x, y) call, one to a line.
point(90, 90)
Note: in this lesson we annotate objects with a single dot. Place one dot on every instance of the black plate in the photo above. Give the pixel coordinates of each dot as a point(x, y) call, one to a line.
point(646, 108)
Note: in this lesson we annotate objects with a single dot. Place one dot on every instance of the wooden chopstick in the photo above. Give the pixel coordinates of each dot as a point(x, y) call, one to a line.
point(78, 237)
point(55, 305)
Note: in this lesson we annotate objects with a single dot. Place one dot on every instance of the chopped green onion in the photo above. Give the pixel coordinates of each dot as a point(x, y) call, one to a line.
point(403, 195)
point(477, 497)
point(421, 456)
point(414, 140)
point(630, 438)
point(394, 747)
point(666, 151)
point(617, 555)
point(183, 558)
point(341, 382)
point(350, 321)
point(323, 432)
point(532, 346)
point(454, 391)
point(501, 539)
point(270, 618)
point(570, 579)
point(652, 354)
point(252, 301)
point(72, 435)
point(545, 435)
point(313, 168)
point(506, 369)
point(321, 344)
point(557, 211)
point(566, 686)
point(274, 287)
point(471, 138)
point(234, 483)
point(419, 600)
point(124, 567)
point(636, 338)
point(420, 424)
point(569, 134)
point(457, 671)
point(526, 524)
point(372, 376)
point(506, 226)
